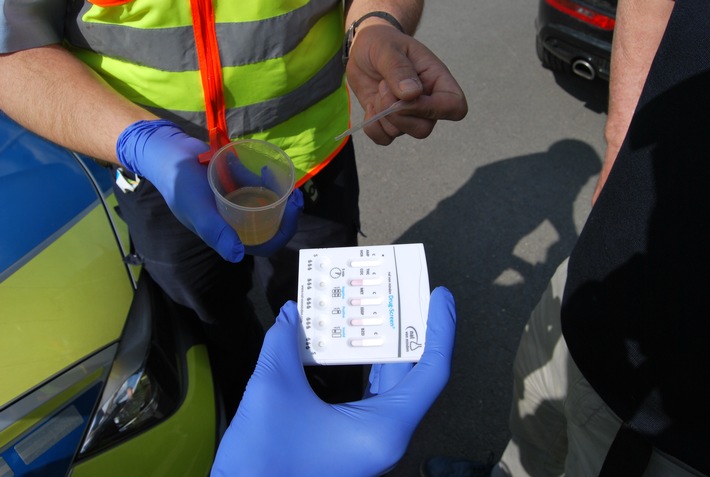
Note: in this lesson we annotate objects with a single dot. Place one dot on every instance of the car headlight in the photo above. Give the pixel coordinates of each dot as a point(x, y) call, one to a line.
point(143, 386)
point(120, 391)
point(133, 406)
point(136, 402)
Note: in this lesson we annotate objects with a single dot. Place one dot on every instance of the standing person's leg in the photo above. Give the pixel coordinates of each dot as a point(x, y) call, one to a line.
point(559, 424)
point(195, 276)
point(330, 219)
point(538, 446)
point(538, 425)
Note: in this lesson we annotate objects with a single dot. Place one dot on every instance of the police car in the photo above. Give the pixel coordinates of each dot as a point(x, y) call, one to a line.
point(100, 373)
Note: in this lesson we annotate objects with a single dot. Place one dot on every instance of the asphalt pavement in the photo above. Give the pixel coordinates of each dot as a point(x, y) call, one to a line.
point(498, 200)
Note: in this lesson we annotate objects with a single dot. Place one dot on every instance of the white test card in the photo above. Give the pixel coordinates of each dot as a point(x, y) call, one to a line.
point(363, 305)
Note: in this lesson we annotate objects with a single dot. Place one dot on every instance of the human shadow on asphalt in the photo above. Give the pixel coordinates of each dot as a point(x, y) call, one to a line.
point(479, 243)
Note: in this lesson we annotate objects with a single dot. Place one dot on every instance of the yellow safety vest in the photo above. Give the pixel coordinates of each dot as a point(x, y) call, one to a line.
point(282, 74)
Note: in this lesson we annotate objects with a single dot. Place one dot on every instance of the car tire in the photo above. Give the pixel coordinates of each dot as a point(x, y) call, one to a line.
point(549, 60)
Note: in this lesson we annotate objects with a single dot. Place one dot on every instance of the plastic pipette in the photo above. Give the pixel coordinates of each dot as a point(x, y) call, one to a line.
point(395, 107)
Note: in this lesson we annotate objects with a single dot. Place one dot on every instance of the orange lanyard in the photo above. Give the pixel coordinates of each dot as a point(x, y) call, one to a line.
point(211, 72)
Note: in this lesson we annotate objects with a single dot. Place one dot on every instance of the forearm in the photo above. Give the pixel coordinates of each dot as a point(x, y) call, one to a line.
point(407, 12)
point(50, 92)
point(640, 25)
point(639, 28)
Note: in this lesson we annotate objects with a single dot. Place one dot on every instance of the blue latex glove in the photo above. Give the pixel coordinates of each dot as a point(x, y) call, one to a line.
point(384, 377)
point(162, 153)
point(283, 429)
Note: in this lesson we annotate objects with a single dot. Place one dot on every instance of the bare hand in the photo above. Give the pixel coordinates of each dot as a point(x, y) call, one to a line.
point(386, 65)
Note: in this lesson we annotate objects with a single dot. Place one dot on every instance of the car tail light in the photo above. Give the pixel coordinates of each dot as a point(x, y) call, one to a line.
point(584, 14)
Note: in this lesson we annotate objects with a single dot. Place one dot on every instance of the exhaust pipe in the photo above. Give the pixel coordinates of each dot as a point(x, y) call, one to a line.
point(584, 69)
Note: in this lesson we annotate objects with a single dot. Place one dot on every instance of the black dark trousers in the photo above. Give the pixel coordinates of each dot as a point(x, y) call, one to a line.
point(635, 313)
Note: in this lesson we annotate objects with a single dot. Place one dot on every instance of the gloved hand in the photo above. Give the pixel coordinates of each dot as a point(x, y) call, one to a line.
point(283, 429)
point(384, 377)
point(162, 153)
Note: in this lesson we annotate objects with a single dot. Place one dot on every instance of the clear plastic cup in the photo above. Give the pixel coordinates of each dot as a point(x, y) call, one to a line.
point(252, 181)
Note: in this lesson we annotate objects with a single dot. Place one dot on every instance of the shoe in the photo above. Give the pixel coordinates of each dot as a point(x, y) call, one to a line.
point(456, 467)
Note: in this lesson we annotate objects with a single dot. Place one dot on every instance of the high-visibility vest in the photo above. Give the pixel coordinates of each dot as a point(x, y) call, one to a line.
point(282, 73)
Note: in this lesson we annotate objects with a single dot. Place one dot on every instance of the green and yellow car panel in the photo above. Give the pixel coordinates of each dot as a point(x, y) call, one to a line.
point(65, 295)
point(53, 309)
point(149, 448)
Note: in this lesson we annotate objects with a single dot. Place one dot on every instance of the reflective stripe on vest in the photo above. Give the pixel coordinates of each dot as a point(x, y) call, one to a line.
point(286, 86)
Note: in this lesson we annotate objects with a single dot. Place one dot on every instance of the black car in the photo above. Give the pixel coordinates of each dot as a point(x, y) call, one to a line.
point(575, 36)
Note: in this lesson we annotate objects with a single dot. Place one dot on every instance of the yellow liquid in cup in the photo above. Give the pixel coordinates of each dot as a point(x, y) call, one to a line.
point(252, 197)
point(258, 227)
